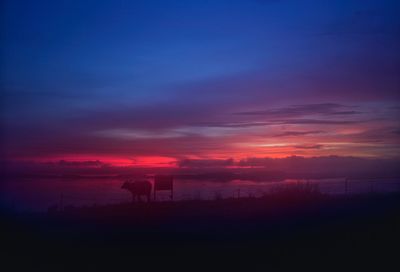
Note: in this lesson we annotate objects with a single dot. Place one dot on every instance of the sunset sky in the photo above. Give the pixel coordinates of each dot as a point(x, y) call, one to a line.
point(157, 82)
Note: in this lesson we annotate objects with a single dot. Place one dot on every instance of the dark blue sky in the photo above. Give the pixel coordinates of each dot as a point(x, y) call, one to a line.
point(143, 79)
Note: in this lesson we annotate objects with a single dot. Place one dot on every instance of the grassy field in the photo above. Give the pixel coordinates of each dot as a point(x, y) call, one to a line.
point(286, 229)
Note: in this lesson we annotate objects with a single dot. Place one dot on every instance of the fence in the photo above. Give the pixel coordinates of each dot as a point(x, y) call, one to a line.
point(343, 186)
point(38, 194)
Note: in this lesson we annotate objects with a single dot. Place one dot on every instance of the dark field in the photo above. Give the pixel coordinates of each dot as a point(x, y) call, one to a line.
point(283, 230)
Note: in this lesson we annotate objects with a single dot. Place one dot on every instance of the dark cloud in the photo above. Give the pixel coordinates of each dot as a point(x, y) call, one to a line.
point(320, 122)
point(345, 112)
point(397, 131)
point(303, 110)
point(292, 162)
point(294, 166)
point(280, 122)
point(233, 124)
point(298, 133)
point(330, 165)
point(335, 164)
point(205, 163)
point(308, 146)
point(381, 135)
point(95, 163)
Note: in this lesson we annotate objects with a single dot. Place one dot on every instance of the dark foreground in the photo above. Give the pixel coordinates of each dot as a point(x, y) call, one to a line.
point(281, 231)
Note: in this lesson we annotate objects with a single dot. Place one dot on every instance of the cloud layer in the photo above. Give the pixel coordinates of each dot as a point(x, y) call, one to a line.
point(152, 83)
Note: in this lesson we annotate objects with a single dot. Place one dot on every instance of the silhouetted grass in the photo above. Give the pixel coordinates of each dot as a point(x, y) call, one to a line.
point(293, 227)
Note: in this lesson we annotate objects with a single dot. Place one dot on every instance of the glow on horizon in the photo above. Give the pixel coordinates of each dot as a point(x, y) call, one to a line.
point(114, 161)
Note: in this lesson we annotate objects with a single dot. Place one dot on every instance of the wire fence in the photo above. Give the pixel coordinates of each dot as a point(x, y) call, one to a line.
point(39, 195)
point(345, 186)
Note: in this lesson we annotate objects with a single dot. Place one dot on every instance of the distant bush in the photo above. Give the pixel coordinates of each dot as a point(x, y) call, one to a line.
point(297, 189)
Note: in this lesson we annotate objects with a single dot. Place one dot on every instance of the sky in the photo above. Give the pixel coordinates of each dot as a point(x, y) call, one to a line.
point(157, 83)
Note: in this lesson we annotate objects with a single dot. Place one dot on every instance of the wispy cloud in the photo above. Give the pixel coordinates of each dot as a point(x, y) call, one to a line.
point(298, 133)
point(308, 146)
point(321, 122)
point(296, 111)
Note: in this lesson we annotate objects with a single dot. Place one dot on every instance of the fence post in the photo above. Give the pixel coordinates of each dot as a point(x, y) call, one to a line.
point(172, 192)
point(61, 201)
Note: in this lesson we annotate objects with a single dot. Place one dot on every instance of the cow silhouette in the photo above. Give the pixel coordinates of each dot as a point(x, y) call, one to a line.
point(138, 188)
